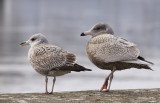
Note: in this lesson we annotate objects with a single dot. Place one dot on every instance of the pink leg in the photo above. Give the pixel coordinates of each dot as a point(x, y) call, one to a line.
point(105, 85)
point(46, 80)
point(54, 80)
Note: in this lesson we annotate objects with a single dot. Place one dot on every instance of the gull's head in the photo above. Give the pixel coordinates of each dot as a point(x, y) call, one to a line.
point(100, 28)
point(35, 39)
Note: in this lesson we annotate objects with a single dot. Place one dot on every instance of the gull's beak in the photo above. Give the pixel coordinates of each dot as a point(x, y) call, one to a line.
point(83, 34)
point(24, 43)
point(86, 33)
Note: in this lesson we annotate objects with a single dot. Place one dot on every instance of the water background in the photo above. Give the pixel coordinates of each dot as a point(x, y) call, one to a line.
point(62, 21)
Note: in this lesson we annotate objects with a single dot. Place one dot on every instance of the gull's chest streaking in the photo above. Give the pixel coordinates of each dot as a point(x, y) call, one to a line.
point(46, 59)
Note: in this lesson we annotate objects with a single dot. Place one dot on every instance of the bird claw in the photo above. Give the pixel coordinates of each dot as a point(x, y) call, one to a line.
point(48, 92)
point(105, 90)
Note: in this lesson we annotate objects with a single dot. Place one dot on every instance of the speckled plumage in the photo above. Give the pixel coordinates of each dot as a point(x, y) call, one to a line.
point(46, 59)
point(111, 52)
point(50, 60)
point(105, 50)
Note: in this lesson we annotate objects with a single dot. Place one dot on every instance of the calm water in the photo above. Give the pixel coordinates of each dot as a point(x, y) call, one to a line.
point(62, 22)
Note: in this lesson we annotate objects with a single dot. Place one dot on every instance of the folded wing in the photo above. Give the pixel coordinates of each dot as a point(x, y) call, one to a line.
point(49, 57)
point(110, 48)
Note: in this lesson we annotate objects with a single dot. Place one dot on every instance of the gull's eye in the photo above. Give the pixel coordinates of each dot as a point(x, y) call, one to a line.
point(33, 39)
point(98, 28)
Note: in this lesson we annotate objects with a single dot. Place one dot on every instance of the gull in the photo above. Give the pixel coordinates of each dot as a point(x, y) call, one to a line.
point(110, 52)
point(50, 60)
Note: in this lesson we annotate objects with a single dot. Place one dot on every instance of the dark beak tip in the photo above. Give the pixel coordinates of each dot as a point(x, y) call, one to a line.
point(82, 34)
point(22, 44)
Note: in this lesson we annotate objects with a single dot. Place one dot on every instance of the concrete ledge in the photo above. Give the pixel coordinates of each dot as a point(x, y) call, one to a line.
point(114, 96)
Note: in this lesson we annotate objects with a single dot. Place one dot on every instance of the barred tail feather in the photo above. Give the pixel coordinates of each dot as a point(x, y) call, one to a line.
point(70, 59)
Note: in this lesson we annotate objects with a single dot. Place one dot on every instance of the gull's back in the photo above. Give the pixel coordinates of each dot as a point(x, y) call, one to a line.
point(46, 59)
point(107, 50)
point(110, 48)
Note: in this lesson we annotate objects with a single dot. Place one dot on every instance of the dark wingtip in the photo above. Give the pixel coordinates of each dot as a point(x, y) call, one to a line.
point(151, 69)
point(141, 58)
point(81, 68)
point(82, 34)
point(88, 70)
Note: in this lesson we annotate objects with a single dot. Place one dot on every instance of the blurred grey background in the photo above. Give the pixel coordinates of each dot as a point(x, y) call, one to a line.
point(62, 21)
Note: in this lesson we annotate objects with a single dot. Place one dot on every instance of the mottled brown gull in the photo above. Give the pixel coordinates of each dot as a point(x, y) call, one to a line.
point(111, 52)
point(50, 60)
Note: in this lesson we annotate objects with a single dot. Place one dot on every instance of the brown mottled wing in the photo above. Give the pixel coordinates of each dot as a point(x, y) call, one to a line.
point(50, 57)
point(110, 48)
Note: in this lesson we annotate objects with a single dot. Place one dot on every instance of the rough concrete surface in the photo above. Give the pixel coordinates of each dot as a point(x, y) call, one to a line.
point(114, 96)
